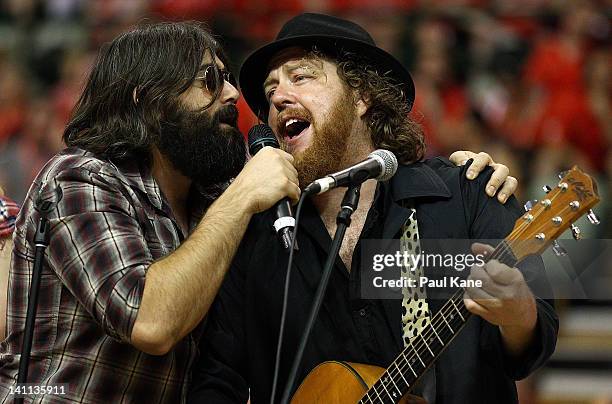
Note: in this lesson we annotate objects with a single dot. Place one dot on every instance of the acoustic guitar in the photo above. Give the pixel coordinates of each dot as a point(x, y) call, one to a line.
point(344, 382)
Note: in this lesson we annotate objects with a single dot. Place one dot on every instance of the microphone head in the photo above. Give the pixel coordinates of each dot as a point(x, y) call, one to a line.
point(260, 136)
point(388, 162)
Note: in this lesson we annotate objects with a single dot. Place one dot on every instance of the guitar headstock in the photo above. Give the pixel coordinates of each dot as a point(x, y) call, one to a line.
point(575, 194)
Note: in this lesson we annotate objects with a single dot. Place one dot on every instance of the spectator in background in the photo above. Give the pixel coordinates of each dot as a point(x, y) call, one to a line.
point(14, 111)
point(441, 105)
point(598, 103)
point(8, 213)
point(24, 154)
point(558, 93)
point(13, 100)
point(30, 132)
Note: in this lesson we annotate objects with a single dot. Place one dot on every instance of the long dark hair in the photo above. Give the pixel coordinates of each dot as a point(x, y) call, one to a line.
point(135, 82)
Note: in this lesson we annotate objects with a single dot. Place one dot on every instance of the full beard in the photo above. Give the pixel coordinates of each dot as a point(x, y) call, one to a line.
point(327, 151)
point(201, 148)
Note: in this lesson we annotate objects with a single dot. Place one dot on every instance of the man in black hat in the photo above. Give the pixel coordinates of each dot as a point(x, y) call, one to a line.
point(332, 97)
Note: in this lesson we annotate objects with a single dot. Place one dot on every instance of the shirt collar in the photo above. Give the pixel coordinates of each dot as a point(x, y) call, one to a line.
point(417, 180)
point(139, 176)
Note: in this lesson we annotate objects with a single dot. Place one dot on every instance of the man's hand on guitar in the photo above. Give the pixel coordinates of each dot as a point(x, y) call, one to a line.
point(504, 300)
point(500, 173)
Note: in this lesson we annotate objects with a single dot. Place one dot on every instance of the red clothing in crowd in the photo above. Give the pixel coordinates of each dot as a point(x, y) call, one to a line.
point(566, 116)
point(454, 108)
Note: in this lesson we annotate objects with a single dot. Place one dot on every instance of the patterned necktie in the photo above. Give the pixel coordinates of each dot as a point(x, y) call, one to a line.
point(415, 310)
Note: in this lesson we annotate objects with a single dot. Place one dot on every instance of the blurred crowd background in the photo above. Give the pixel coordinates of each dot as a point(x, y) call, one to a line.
point(528, 81)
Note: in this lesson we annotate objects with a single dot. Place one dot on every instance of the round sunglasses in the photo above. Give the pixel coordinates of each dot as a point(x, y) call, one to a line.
point(211, 79)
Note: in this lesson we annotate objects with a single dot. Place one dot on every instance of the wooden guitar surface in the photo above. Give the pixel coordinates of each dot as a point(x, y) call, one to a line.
point(341, 383)
point(345, 382)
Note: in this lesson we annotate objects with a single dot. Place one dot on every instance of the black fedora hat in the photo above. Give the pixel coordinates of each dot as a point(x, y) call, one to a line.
point(329, 34)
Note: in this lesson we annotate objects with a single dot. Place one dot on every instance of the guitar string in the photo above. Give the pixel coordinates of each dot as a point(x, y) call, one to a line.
point(440, 320)
point(419, 350)
point(429, 335)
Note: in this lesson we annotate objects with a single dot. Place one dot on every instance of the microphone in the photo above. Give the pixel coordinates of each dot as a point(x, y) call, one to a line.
point(381, 164)
point(261, 136)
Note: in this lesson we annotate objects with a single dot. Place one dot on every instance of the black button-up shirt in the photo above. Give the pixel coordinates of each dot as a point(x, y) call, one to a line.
point(239, 344)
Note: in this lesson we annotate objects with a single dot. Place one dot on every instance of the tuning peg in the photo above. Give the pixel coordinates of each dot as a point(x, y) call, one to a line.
point(593, 217)
point(530, 204)
point(562, 174)
point(558, 250)
point(546, 188)
point(576, 232)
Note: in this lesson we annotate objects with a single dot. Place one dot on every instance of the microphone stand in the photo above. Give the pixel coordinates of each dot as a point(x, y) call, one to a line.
point(41, 242)
point(343, 221)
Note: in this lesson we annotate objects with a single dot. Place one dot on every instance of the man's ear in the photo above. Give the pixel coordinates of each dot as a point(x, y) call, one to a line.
point(361, 105)
point(135, 95)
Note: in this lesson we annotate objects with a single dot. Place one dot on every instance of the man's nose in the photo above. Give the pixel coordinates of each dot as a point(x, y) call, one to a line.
point(229, 94)
point(283, 97)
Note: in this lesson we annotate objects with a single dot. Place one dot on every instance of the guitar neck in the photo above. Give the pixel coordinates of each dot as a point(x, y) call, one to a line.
point(410, 365)
point(533, 232)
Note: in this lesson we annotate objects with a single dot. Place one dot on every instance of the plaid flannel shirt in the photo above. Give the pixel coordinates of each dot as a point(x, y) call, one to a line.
point(110, 225)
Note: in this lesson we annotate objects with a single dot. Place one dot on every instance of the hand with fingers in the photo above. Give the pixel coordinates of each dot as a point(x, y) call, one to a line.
point(281, 180)
point(499, 178)
point(504, 299)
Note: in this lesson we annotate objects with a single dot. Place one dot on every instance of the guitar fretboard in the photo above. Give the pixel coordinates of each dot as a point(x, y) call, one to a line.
point(410, 365)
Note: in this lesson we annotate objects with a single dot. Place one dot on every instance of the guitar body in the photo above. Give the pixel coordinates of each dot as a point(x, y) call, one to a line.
point(344, 382)
point(338, 383)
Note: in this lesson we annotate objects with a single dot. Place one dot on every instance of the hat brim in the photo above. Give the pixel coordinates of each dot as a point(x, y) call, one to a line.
point(255, 68)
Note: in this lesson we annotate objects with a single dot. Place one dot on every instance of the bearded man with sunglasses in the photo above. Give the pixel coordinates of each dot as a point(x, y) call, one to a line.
point(133, 262)
point(132, 266)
